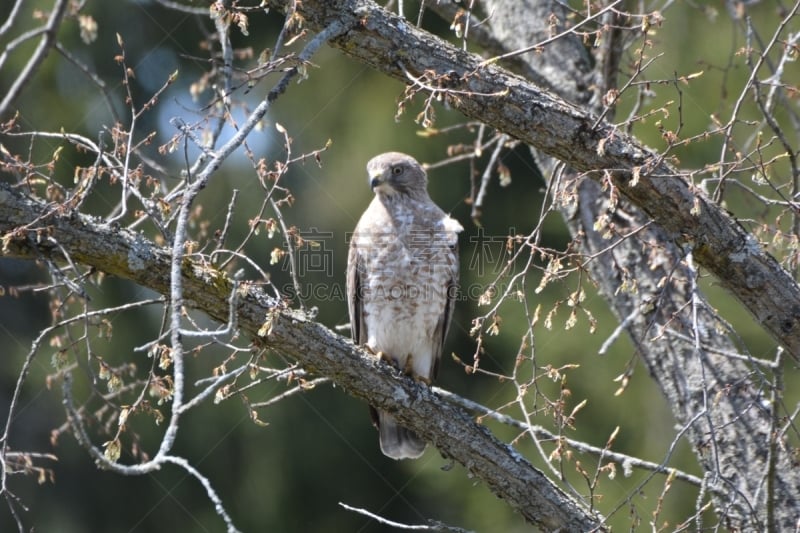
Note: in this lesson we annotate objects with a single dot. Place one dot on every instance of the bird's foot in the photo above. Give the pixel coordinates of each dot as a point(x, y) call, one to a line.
point(386, 358)
point(422, 379)
point(408, 370)
point(369, 349)
point(380, 355)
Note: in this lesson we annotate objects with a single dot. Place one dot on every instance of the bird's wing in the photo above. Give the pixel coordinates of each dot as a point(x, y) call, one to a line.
point(450, 285)
point(355, 306)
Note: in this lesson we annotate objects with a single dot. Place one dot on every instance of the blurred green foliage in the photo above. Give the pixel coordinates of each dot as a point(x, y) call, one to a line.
point(318, 448)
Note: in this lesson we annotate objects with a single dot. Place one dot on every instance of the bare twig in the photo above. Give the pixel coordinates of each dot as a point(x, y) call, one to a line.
point(433, 526)
point(48, 32)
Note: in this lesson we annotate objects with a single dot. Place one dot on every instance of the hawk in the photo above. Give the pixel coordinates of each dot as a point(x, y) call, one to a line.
point(402, 274)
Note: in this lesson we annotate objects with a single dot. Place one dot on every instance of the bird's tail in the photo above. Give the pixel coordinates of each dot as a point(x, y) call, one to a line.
point(396, 441)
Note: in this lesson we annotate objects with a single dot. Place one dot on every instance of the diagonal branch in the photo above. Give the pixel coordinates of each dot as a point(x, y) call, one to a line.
point(23, 222)
point(557, 128)
point(689, 369)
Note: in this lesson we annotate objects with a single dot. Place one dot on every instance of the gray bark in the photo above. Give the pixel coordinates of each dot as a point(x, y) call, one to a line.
point(34, 230)
point(718, 399)
point(511, 104)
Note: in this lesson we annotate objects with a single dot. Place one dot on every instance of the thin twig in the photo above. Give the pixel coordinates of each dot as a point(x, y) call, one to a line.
point(627, 461)
point(433, 526)
point(46, 42)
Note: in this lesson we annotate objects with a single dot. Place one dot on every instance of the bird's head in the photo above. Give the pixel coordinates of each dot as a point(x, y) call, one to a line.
point(395, 173)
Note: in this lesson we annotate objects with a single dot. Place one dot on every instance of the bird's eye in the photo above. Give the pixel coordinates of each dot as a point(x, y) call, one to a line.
point(397, 170)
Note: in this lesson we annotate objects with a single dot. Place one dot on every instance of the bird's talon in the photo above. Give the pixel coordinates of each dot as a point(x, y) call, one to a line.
point(386, 358)
point(422, 379)
point(408, 369)
point(369, 349)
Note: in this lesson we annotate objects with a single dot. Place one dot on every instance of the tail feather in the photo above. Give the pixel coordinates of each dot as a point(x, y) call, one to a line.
point(396, 441)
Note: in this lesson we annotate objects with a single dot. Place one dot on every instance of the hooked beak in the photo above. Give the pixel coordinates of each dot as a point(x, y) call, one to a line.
point(375, 181)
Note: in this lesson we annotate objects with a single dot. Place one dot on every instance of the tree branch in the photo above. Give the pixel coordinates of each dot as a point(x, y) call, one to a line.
point(699, 229)
point(488, 93)
point(47, 41)
point(688, 368)
point(32, 229)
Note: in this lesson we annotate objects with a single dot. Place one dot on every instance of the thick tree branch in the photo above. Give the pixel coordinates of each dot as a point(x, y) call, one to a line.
point(675, 332)
point(557, 128)
point(32, 229)
point(699, 228)
point(693, 365)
